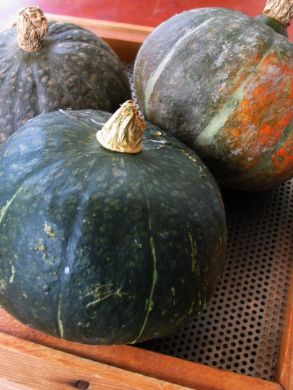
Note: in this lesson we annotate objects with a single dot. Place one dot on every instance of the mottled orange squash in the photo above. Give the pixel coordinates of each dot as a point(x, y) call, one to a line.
point(223, 83)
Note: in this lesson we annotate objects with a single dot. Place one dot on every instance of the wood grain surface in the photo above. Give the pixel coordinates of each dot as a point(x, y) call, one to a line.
point(165, 368)
point(25, 364)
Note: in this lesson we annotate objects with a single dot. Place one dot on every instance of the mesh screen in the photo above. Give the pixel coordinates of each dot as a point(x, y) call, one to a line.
point(241, 329)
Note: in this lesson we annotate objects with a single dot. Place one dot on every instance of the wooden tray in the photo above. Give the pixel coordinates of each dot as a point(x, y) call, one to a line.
point(30, 359)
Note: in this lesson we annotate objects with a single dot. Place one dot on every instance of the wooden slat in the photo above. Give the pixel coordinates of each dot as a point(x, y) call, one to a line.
point(25, 364)
point(149, 363)
point(125, 39)
point(285, 368)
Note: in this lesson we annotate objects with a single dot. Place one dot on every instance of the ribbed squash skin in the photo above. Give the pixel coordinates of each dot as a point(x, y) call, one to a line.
point(74, 69)
point(103, 247)
point(222, 82)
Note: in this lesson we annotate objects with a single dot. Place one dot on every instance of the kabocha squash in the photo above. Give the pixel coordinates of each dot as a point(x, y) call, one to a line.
point(103, 246)
point(222, 82)
point(47, 66)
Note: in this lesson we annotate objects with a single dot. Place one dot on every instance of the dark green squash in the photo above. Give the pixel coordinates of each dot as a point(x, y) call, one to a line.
point(103, 247)
point(61, 65)
point(222, 82)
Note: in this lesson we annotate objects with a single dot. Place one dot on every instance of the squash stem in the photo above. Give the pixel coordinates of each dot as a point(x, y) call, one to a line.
point(31, 26)
point(123, 132)
point(279, 10)
point(274, 24)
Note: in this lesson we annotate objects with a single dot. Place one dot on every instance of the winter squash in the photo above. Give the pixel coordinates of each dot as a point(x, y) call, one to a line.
point(222, 82)
point(46, 66)
point(106, 244)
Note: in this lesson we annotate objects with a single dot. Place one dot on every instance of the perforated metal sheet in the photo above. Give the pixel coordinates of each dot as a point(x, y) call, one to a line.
point(241, 329)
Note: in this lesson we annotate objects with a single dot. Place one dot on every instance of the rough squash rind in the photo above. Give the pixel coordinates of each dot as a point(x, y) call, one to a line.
point(222, 83)
point(73, 69)
point(104, 247)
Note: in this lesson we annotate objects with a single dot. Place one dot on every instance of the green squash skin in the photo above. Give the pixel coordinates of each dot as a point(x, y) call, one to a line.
point(274, 24)
point(188, 75)
point(74, 69)
point(102, 247)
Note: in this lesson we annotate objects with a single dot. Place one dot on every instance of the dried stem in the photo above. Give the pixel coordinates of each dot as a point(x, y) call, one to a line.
point(123, 132)
point(280, 10)
point(32, 26)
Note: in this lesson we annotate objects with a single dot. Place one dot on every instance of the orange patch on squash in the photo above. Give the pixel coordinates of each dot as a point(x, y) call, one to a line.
point(283, 158)
point(266, 131)
point(262, 116)
point(235, 132)
point(245, 104)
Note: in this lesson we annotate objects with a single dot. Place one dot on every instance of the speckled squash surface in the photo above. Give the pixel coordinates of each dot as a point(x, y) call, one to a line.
point(104, 247)
point(73, 69)
point(222, 82)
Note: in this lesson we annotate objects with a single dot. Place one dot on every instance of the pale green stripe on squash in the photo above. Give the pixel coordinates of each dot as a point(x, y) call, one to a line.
point(160, 69)
point(150, 302)
point(4, 209)
point(219, 120)
point(59, 320)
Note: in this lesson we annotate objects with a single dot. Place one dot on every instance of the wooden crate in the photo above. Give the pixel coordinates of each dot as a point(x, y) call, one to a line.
point(30, 359)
